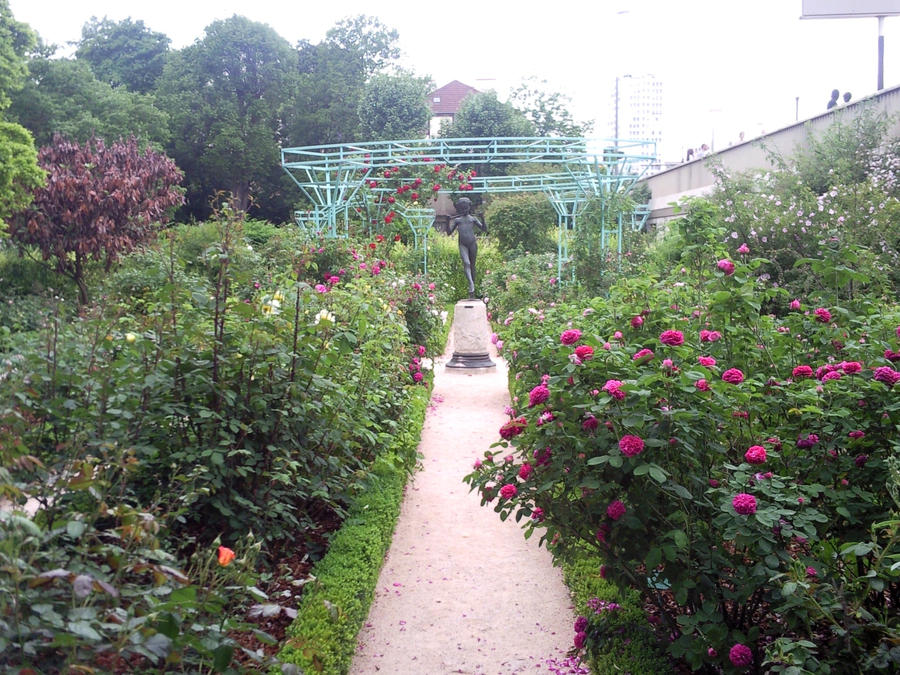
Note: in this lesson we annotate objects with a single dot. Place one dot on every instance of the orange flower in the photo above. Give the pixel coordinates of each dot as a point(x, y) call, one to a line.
point(226, 555)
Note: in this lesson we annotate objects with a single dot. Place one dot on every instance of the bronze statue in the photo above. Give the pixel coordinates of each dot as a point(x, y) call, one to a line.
point(468, 244)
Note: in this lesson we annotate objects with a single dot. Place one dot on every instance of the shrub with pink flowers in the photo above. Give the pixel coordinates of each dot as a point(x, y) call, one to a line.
point(710, 492)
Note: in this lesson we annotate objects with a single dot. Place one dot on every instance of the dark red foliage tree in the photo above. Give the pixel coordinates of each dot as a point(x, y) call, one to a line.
point(99, 202)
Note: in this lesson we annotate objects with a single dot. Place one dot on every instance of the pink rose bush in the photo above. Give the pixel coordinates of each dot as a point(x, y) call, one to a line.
point(726, 266)
point(740, 656)
point(570, 336)
point(732, 476)
point(744, 504)
point(672, 338)
point(733, 375)
point(538, 395)
point(756, 454)
point(631, 445)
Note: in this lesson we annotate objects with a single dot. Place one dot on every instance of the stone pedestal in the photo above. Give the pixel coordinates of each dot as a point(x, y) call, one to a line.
point(471, 336)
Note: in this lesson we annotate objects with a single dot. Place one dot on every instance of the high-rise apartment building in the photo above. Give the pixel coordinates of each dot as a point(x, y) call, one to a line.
point(636, 110)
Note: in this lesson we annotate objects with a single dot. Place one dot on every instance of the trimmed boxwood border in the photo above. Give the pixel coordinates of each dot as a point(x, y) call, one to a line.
point(322, 639)
point(633, 650)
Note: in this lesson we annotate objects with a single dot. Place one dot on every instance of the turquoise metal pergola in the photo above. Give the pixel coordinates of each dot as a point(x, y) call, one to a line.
point(578, 170)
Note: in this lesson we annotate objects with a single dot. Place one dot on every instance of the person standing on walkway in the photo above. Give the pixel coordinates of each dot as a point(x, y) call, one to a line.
point(465, 224)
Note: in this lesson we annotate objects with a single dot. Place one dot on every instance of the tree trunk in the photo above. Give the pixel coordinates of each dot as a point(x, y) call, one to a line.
point(240, 197)
point(78, 277)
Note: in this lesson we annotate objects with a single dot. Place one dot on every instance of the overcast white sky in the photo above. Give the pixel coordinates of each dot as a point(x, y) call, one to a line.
point(727, 66)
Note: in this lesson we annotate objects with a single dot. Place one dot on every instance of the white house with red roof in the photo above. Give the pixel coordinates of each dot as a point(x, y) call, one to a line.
point(445, 102)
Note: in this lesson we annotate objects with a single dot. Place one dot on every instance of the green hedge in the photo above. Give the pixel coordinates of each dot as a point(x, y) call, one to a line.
point(629, 646)
point(322, 639)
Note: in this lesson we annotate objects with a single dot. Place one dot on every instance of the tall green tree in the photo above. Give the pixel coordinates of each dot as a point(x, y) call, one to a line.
point(124, 53)
point(547, 110)
point(483, 115)
point(332, 81)
point(366, 36)
point(395, 106)
point(64, 96)
point(19, 171)
point(325, 107)
point(226, 95)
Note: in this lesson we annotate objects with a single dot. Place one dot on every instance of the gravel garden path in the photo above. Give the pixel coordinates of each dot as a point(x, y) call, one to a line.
point(462, 591)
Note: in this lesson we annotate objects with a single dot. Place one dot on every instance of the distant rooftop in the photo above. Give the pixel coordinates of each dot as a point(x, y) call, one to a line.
point(447, 99)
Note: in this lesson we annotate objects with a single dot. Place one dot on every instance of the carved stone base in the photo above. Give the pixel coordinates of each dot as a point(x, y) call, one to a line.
point(471, 336)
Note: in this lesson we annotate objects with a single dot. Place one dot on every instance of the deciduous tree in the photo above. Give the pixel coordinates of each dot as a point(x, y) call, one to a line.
point(366, 36)
point(63, 96)
point(482, 115)
point(100, 201)
point(547, 110)
point(226, 95)
point(395, 107)
point(124, 53)
point(19, 172)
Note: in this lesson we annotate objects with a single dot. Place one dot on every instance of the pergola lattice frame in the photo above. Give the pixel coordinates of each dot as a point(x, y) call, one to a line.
point(332, 177)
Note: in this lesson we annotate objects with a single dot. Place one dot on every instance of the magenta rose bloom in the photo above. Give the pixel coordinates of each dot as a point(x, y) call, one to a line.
point(584, 352)
point(756, 454)
point(525, 471)
point(710, 336)
point(744, 504)
point(887, 375)
point(707, 361)
point(590, 423)
point(631, 445)
point(795, 304)
point(646, 354)
point(833, 375)
point(580, 637)
point(613, 388)
point(802, 371)
point(672, 338)
point(726, 266)
point(743, 249)
point(509, 491)
point(702, 384)
point(740, 655)
point(822, 315)
point(581, 624)
point(733, 375)
point(570, 336)
point(538, 395)
point(851, 367)
point(513, 428)
point(637, 321)
point(615, 510)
